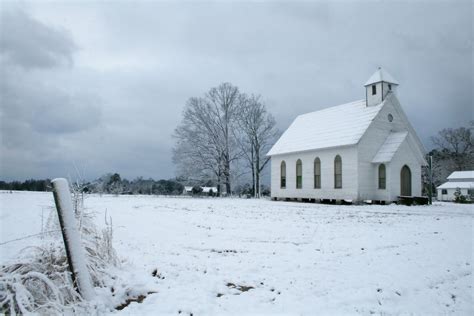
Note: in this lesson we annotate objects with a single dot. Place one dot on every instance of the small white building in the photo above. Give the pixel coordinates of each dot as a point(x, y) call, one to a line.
point(363, 150)
point(209, 190)
point(188, 190)
point(462, 180)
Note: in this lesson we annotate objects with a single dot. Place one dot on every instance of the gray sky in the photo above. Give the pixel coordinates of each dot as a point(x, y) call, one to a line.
point(100, 86)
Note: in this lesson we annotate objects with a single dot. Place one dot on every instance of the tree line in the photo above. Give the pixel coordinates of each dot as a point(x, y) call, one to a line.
point(224, 135)
point(28, 185)
point(115, 184)
point(111, 183)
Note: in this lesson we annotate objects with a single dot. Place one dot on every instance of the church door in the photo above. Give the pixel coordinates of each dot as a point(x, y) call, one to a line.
point(405, 181)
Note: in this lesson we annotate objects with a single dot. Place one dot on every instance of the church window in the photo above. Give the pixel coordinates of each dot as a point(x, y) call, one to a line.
point(283, 175)
point(389, 86)
point(338, 172)
point(317, 173)
point(390, 117)
point(299, 174)
point(382, 177)
point(374, 89)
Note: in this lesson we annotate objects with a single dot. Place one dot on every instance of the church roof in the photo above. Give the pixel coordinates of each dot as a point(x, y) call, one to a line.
point(389, 147)
point(381, 75)
point(336, 126)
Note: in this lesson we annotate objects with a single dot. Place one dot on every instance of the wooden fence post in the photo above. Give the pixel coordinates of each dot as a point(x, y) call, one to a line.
point(72, 239)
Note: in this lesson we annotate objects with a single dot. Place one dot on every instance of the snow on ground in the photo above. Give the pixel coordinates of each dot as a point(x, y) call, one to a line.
point(297, 258)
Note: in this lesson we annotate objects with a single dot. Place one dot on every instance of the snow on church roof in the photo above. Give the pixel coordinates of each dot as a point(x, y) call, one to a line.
point(336, 126)
point(381, 75)
point(390, 147)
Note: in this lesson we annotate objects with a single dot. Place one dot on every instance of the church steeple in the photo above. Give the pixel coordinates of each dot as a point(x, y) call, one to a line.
point(379, 85)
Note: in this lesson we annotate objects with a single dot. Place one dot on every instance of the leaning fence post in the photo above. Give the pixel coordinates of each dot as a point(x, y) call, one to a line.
point(72, 239)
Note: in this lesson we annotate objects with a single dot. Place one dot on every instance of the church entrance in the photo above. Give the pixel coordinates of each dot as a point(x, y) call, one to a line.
point(405, 181)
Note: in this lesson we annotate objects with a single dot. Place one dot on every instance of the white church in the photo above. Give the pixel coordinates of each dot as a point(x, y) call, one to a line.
point(363, 150)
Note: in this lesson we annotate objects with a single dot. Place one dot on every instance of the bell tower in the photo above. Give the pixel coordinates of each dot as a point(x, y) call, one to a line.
point(379, 85)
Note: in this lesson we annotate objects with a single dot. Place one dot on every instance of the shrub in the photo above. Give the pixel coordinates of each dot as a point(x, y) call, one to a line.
point(459, 198)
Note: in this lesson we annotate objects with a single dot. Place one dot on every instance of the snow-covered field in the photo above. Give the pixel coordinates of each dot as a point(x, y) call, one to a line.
point(236, 256)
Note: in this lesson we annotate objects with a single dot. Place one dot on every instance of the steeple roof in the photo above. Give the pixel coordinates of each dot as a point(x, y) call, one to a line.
point(381, 75)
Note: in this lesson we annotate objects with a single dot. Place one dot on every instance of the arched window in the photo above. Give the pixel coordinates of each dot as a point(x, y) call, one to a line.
point(338, 172)
point(283, 175)
point(382, 177)
point(299, 174)
point(317, 173)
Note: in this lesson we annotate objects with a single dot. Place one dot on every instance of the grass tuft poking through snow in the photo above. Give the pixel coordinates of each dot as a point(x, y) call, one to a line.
point(39, 280)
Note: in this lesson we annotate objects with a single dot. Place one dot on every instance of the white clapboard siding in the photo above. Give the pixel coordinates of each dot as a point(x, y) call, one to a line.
point(349, 174)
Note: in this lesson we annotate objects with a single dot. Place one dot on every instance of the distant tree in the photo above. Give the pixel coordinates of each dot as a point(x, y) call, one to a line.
point(456, 146)
point(100, 185)
point(441, 168)
point(258, 133)
point(115, 184)
point(206, 144)
point(126, 187)
point(454, 152)
point(115, 178)
point(168, 187)
point(266, 191)
point(197, 190)
point(208, 183)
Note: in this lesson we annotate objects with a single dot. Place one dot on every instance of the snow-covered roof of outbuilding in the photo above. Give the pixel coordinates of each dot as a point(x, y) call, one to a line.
point(469, 174)
point(390, 147)
point(381, 75)
point(455, 185)
point(336, 126)
point(208, 189)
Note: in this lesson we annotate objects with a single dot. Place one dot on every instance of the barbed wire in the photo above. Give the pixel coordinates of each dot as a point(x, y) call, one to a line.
point(29, 236)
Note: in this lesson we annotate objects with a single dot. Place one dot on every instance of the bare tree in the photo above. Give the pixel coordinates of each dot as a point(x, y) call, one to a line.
point(206, 142)
point(456, 146)
point(195, 157)
point(258, 133)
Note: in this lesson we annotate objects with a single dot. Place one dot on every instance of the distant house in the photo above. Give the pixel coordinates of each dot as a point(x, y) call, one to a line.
point(188, 190)
point(208, 190)
point(363, 150)
point(464, 180)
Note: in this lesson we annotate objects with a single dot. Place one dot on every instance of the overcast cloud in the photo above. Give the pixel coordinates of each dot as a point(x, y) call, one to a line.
point(96, 87)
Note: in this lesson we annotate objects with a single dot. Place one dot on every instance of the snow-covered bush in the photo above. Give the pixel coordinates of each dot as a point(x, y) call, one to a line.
point(459, 198)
